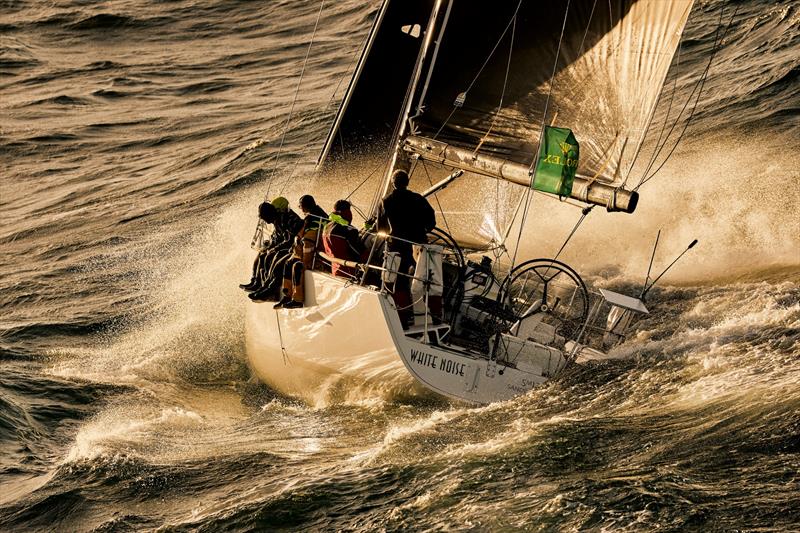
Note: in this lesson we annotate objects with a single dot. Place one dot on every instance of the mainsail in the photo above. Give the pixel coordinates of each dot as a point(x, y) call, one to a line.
point(486, 77)
point(610, 68)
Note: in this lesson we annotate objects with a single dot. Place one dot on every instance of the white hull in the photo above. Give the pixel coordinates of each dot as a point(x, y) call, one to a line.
point(338, 344)
point(349, 337)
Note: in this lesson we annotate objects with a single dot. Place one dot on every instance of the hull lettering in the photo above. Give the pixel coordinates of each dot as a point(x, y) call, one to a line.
point(423, 359)
point(442, 364)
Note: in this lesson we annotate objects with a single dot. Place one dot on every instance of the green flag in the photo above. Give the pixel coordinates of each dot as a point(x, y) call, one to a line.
point(558, 161)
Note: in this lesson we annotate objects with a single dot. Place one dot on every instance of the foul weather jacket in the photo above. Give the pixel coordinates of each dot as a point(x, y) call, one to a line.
point(306, 242)
point(406, 215)
point(287, 224)
point(341, 240)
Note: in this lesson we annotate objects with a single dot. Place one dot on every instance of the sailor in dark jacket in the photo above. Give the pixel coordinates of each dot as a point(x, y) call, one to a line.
point(303, 253)
point(407, 217)
point(266, 215)
point(269, 263)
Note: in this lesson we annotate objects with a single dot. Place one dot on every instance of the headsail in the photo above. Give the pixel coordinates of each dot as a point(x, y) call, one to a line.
point(374, 98)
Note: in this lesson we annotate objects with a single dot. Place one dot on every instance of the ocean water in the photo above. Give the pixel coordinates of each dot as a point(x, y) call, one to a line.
point(136, 139)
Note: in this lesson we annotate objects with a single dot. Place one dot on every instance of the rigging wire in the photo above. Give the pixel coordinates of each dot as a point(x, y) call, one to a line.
point(699, 86)
point(654, 155)
point(528, 194)
point(296, 94)
point(584, 213)
point(646, 128)
point(700, 82)
point(586, 32)
point(374, 170)
point(328, 106)
point(436, 197)
point(503, 92)
point(310, 146)
point(349, 68)
point(486, 62)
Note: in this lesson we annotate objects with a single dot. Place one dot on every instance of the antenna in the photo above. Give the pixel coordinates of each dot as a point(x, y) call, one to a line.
point(647, 289)
point(652, 256)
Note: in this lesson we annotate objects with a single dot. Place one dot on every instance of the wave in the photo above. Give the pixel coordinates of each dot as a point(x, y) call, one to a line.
point(123, 376)
point(110, 94)
point(103, 21)
point(239, 182)
point(17, 58)
point(43, 330)
point(205, 87)
point(61, 99)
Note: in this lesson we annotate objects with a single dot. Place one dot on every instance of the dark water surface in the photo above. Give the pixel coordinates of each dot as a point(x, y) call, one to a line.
point(136, 139)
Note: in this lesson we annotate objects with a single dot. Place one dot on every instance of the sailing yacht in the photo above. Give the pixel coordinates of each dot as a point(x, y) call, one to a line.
point(483, 106)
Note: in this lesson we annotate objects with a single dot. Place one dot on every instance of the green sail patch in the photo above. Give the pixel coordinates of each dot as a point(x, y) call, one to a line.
point(558, 161)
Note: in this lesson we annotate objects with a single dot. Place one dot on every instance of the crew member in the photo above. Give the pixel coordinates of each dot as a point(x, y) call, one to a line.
point(302, 257)
point(268, 268)
point(266, 215)
point(342, 241)
point(407, 217)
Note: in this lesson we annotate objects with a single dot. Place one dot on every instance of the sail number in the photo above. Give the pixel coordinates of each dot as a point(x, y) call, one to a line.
point(442, 364)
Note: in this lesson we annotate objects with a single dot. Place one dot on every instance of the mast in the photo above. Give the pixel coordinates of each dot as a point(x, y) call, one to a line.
point(412, 88)
point(421, 101)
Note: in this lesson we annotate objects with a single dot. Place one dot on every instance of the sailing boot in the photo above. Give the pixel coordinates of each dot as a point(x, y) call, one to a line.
point(250, 286)
point(267, 290)
point(299, 292)
point(255, 279)
point(253, 285)
point(262, 294)
point(285, 291)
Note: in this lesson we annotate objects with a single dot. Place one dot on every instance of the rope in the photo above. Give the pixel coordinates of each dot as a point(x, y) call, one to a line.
point(699, 86)
point(280, 339)
point(296, 94)
point(486, 62)
point(528, 193)
point(505, 84)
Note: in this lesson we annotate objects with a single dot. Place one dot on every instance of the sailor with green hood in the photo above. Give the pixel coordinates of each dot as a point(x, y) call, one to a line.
point(341, 240)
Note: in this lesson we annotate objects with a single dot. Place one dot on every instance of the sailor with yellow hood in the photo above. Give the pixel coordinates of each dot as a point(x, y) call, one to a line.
point(268, 265)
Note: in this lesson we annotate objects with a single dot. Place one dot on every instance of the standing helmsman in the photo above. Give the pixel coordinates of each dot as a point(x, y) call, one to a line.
point(407, 217)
